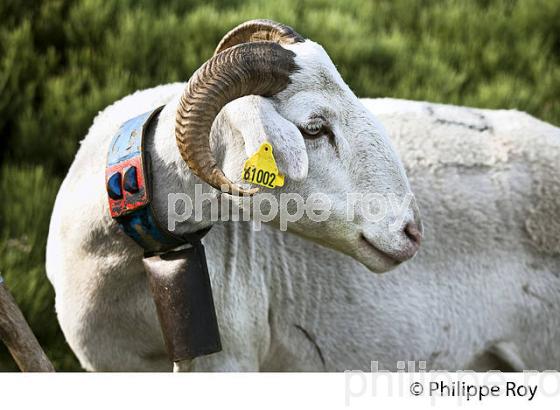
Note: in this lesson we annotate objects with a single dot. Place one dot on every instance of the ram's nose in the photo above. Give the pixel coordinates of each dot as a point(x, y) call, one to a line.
point(410, 243)
point(413, 232)
point(403, 246)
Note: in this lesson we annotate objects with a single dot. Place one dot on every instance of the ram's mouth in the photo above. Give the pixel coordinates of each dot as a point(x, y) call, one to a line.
point(386, 257)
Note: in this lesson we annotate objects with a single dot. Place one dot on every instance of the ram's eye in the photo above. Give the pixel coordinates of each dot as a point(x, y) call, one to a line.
point(313, 130)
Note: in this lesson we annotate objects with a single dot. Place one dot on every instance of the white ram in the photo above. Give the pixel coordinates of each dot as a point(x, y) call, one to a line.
point(325, 141)
point(482, 294)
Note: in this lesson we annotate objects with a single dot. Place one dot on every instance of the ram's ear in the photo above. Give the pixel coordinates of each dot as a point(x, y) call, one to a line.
point(256, 119)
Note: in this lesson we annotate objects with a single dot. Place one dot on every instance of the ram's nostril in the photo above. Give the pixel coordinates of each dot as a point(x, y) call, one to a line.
point(413, 233)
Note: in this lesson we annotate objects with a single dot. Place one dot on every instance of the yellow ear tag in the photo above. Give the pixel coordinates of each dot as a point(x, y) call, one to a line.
point(261, 168)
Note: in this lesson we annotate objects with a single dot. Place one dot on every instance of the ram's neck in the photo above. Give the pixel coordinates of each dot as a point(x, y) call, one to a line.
point(170, 175)
point(172, 179)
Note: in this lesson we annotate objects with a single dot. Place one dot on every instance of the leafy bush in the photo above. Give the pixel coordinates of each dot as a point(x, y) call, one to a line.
point(62, 61)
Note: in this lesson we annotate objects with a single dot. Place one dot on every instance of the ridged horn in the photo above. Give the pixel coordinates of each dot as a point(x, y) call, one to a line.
point(259, 30)
point(260, 68)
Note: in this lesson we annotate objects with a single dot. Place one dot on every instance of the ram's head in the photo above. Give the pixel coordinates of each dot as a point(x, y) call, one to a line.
point(325, 141)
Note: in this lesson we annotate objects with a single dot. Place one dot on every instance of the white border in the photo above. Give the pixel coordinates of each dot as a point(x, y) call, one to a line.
point(252, 391)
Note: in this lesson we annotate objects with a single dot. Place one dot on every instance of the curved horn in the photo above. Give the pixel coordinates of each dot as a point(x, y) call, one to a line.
point(259, 30)
point(261, 68)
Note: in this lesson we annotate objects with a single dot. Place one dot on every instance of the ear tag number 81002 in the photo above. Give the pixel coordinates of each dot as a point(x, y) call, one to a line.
point(261, 168)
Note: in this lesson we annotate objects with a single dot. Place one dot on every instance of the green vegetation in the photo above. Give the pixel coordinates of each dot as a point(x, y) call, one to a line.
point(62, 61)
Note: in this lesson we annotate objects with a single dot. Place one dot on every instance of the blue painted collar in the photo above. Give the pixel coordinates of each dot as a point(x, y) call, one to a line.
point(129, 192)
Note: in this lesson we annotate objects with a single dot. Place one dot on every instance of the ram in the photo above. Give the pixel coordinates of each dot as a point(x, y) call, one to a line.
point(325, 142)
point(482, 293)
